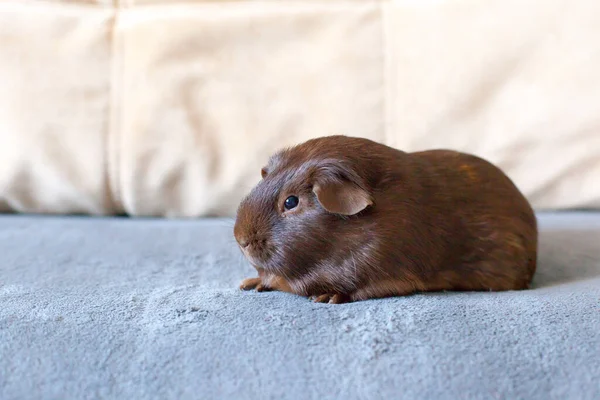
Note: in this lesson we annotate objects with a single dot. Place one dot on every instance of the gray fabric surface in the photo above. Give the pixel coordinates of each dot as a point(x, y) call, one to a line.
point(144, 309)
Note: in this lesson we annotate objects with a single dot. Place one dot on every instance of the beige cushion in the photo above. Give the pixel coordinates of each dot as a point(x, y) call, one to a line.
point(170, 108)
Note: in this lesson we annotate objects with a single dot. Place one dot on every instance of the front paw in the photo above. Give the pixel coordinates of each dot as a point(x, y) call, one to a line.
point(331, 298)
point(254, 283)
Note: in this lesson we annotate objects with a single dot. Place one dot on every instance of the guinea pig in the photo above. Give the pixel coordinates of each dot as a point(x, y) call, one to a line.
point(341, 219)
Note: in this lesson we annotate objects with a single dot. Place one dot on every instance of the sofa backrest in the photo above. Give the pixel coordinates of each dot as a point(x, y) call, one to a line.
point(170, 108)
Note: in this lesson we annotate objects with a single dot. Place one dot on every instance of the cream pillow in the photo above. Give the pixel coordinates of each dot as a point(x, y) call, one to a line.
point(170, 109)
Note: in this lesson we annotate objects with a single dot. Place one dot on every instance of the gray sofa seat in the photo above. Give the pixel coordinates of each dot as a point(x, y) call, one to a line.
point(149, 309)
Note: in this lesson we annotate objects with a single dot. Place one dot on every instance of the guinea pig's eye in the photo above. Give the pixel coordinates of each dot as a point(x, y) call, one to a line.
point(291, 202)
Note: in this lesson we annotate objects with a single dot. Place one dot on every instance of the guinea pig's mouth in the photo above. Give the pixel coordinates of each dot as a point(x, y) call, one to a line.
point(257, 260)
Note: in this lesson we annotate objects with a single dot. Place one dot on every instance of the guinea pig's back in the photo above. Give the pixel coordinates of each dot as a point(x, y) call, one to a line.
point(497, 225)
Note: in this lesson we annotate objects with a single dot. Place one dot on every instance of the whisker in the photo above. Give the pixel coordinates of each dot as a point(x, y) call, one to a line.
point(355, 269)
point(224, 221)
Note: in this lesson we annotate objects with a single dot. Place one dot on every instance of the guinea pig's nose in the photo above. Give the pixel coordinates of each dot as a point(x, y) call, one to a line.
point(243, 242)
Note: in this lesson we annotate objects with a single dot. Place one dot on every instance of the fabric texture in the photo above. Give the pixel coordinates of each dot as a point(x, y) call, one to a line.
point(170, 108)
point(149, 309)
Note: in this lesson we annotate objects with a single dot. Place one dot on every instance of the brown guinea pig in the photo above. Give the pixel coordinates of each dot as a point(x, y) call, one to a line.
point(342, 219)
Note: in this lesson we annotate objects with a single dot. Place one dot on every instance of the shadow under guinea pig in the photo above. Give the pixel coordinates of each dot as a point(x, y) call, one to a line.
point(567, 254)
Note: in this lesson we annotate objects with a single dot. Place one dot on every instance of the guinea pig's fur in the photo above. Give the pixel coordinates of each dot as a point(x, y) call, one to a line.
point(373, 221)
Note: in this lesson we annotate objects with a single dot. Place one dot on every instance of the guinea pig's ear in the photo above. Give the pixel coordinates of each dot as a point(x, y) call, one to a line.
point(340, 191)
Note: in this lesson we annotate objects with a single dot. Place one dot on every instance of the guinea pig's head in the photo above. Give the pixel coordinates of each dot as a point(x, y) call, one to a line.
point(293, 218)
